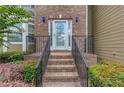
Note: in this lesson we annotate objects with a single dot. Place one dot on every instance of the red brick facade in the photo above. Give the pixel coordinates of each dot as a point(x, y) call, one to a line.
point(53, 11)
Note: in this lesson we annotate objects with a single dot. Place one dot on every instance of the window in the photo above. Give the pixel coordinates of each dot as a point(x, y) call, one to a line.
point(31, 38)
point(28, 7)
point(30, 33)
point(15, 37)
point(19, 25)
point(30, 29)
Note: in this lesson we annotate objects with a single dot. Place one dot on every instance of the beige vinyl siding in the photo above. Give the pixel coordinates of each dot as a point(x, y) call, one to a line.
point(89, 20)
point(89, 17)
point(108, 30)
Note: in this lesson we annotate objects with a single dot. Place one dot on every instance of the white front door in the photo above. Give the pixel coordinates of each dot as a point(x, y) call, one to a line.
point(61, 35)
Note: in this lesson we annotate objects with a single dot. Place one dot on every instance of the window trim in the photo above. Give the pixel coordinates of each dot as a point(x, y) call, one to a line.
point(15, 43)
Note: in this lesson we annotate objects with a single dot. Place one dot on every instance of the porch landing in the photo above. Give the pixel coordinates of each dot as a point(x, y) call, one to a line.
point(33, 56)
point(91, 58)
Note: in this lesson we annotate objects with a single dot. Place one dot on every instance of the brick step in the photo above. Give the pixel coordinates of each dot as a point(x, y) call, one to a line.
point(60, 51)
point(60, 60)
point(61, 68)
point(61, 84)
point(31, 57)
point(61, 77)
point(60, 55)
point(61, 63)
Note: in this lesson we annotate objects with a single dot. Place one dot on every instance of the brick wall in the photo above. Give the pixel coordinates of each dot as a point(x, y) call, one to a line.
point(67, 12)
point(53, 11)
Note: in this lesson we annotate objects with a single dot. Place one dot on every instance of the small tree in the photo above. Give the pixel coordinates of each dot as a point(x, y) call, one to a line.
point(11, 15)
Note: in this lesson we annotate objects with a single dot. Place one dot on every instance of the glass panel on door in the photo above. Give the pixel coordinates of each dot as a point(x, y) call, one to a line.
point(60, 31)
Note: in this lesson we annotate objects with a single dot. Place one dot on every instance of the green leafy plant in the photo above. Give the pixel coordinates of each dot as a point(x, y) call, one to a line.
point(18, 73)
point(11, 56)
point(29, 71)
point(107, 74)
point(17, 62)
point(10, 15)
point(17, 56)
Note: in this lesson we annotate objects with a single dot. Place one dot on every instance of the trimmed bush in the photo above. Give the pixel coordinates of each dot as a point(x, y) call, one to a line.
point(11, 56)
point(107, 74)
point(17, 62)
point(29, 71)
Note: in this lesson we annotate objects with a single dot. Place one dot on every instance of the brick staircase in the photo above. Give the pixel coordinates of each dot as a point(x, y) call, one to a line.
point(61, 71)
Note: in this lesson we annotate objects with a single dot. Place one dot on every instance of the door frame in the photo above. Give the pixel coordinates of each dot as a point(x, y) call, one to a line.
point(68, 33)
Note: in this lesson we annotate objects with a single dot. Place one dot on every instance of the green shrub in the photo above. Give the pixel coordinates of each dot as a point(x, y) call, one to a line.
point(29, 71)
point(107, 74)
point(11, 56)
point(17, 62)
point(16, 56)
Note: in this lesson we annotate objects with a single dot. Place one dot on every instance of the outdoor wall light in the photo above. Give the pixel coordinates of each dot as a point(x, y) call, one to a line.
point(43, 19)
point(77, 19)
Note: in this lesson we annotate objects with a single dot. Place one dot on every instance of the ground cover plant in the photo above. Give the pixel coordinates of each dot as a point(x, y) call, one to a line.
point(7, 57)
point(17, 74)
point(107, 73)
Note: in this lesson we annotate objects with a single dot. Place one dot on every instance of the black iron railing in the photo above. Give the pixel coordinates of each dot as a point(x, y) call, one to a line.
point(81, 42)
point(40, 41)
point(80, 61)
point(41, 65)
point(30, 43)
point(83, 46)
point(35, 44)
